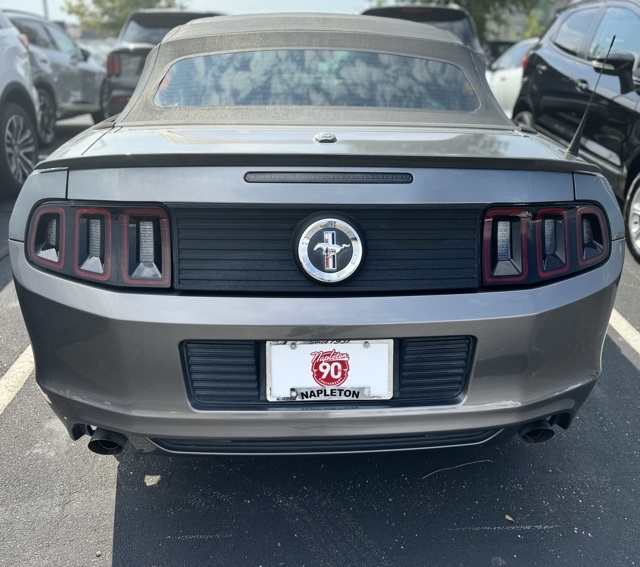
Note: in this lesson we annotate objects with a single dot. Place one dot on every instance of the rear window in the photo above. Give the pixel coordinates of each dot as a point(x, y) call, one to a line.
point(138, 33)
point(151, 28)
point(320, 78)
point(448, 19)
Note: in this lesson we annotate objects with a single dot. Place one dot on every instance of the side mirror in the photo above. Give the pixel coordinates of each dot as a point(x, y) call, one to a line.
point(619, 64)
point(85, 53)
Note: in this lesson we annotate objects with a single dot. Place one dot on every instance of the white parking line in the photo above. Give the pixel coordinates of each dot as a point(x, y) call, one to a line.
point(16, 376)
point(626, 330)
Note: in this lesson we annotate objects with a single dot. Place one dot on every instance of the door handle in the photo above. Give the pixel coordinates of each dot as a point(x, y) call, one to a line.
point(582, 85)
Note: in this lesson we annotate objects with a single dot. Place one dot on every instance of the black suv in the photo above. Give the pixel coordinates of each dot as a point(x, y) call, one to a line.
point(141, 32)
point(559, 77)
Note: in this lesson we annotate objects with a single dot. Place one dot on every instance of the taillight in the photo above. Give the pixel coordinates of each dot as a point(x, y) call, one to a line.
point(552, 241)
point(593, 240)
point(24, 40)
point(505, 244)
point(113, 245)
point(93, 244)
point(113, 65)
point(533, 244)
point(46, 243)
point(525, 61)
point(146, 251)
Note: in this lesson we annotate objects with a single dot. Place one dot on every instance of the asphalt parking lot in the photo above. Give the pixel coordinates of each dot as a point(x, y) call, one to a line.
point(572, 501)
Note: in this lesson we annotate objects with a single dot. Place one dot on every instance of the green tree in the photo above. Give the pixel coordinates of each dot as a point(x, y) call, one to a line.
point(535, 24)
point(107, 16)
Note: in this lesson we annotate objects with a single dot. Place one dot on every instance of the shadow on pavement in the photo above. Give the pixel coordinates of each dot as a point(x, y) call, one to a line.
point(6, 206)
point(567, 502)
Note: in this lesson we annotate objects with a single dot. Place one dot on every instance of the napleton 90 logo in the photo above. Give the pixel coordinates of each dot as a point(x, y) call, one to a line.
point(330, 368)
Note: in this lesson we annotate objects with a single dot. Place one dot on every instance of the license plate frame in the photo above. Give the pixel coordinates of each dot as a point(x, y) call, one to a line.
point(295, 380)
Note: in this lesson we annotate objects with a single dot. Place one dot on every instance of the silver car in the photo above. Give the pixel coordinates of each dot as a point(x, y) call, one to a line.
point(69, 82)
point(18, 111)
point(309, 235)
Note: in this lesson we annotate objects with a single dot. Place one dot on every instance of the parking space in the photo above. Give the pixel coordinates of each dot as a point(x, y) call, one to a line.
point(572, 501)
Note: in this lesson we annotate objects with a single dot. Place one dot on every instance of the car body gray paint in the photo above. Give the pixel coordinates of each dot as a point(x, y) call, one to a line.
point(596, 188)
point(40, 185)
point(95, 345)
point(227, 185)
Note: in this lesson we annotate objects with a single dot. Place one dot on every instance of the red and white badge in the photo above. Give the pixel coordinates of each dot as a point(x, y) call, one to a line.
point(330, 368)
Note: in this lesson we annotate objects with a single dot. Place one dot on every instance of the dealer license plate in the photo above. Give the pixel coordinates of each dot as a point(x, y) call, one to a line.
point(341, 371)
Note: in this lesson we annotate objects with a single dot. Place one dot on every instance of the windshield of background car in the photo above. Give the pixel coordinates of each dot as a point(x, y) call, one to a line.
point(315, 77)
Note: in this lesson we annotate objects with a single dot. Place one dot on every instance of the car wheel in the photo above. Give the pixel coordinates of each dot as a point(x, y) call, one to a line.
point(523, 118)
point(632, 218)
point(104, 100)
point(48, 115)
point(18, 148)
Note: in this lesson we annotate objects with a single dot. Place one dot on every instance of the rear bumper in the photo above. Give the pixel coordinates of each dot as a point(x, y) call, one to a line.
point(112, 360)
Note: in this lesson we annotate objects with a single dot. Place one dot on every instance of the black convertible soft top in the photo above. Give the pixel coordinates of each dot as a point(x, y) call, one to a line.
point(296, 31)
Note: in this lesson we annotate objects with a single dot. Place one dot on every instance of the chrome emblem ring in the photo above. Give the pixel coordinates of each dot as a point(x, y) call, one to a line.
point(330, 250)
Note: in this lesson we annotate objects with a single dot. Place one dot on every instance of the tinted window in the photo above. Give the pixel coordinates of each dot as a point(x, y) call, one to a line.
point(448, 19)
point(461, 29)
point(298, 77)
point(151, 28)
point(135, 33)
point(622, 23)
point(572, 31)
point(35, 31)
point(63, 41)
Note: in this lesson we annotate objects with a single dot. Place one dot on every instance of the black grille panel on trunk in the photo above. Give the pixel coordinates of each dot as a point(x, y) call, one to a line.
point(231, 374)
point(230, 249)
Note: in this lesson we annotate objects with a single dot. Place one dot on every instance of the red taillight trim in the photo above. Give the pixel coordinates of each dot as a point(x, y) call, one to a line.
point(24, 40)
point(588, 210)
point(165, 245)
point(539, 253)
point(487, 260)
point(107, 244)
point(113, 65)
point(525, 61)
point(33, 229)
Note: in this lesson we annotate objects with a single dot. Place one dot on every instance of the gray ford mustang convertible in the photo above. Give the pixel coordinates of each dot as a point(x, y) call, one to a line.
point(311, 234)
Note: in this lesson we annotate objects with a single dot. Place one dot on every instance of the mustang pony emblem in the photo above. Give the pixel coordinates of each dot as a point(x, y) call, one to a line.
point(330, 250)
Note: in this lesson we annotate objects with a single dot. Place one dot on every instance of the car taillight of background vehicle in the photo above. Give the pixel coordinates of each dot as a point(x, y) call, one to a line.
point(112, 245)
point(535, 244)
point(113, 65)
point(24, 40)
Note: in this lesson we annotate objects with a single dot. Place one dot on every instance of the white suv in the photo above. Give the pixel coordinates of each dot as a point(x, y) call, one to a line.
point(18, 111)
